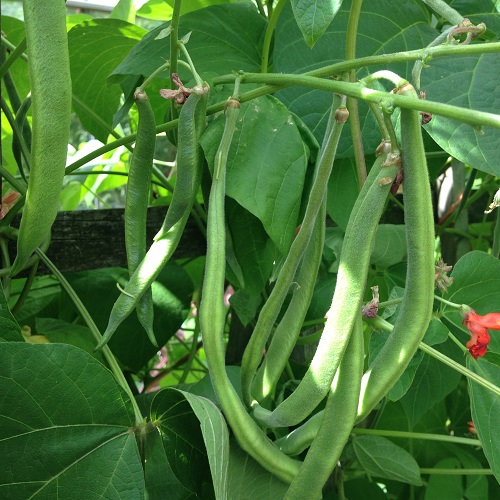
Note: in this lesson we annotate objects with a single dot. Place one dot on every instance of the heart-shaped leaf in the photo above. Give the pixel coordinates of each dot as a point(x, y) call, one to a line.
point(66, 426)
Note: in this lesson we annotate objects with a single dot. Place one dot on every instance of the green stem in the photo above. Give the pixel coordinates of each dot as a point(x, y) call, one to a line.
point(113, 364)
point(16, 131)
point(352, 104)
point(260, 6)
point(174, 37)
point(379, 322)
point(197, 77)
point(339, 68)
point(15, 54)
point(418, 435)
point(471, 117)
point(269, 34)
point(192, 353)
point(444, 10)
point(17, 185)
point(458, 472)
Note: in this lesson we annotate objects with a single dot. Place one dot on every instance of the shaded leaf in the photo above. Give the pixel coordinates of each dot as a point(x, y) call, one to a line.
point(384, 27)
point(10, 331)
point(95, 48)
point(239, 48)
point(471, 83)
point(433, 381)
point(266, 166)
point(390, 245)
point(59, 331)
point(194, 435)
point(171, 297)
point(159, 477)
point(314, 16)
point(245, 305)
point(343, 190)
point(485, 408)
point(444, 486)
point(382, 458)
point(63, 438)
point(253, 249)
point(248, 480)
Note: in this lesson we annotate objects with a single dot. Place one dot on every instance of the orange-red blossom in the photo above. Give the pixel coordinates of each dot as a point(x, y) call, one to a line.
point(478, 327)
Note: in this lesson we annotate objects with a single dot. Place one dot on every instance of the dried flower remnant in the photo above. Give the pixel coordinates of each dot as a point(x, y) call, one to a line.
point(371, 309)
point(180, 95)
point(494, 204)
point(441, 280)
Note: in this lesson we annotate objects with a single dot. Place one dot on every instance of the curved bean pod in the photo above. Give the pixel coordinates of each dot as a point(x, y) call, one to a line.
point(213, 317)
point(416, 307)
point(136, 203)
point(189, 161)
point(50, 79)
point(165, 243)
point(336, 424)
point(346, 302)
point(288, 330)
point(253, 352)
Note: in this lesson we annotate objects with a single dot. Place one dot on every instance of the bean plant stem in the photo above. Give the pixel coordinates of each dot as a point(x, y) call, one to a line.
point(379, 322)
point(471, 117)
point(445, 11)
point(15, 54)
point(352, 104)
point(174, 34)
point(113, 364)
point(269, 34)
point(338, 68)
point(457, 472)
point(418, 435)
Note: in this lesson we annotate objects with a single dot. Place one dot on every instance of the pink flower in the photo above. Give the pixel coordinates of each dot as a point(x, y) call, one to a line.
point(478, 327)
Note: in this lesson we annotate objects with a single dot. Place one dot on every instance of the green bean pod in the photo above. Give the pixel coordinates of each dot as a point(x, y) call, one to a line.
point(189, 160)
point(336, 424)
point(165, 243)
point(288, 330)
point(213, 317)
point(136, 203)
point(267, 317)
point(346, 302)
point(50, 80)
point(416, 307)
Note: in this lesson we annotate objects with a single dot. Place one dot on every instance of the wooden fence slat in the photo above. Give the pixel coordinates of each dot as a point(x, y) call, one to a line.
point(93, 239)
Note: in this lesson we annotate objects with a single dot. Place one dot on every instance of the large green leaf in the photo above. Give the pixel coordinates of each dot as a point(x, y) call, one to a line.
point(253, 249)
point(443, 486)
point(161, 10)
point(171, 297)
point(266, 166)
point(195, 440)
point(314, 16)
point(158, 474)
point(249, 480)
point(10, 331)
point(390, 245)
point(384, 27)
point(382, 458)
point(96, 47)
point(476, 283)
point(66, 427)
point(485, 408)
point(239, 47)
point(471, 82)
point(433, 381)
point(343, 189)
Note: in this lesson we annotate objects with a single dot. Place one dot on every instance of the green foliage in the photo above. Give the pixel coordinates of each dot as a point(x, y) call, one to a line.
point(132, 420)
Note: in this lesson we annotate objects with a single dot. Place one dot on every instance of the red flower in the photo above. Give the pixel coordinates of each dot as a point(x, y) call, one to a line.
point(478, 327)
